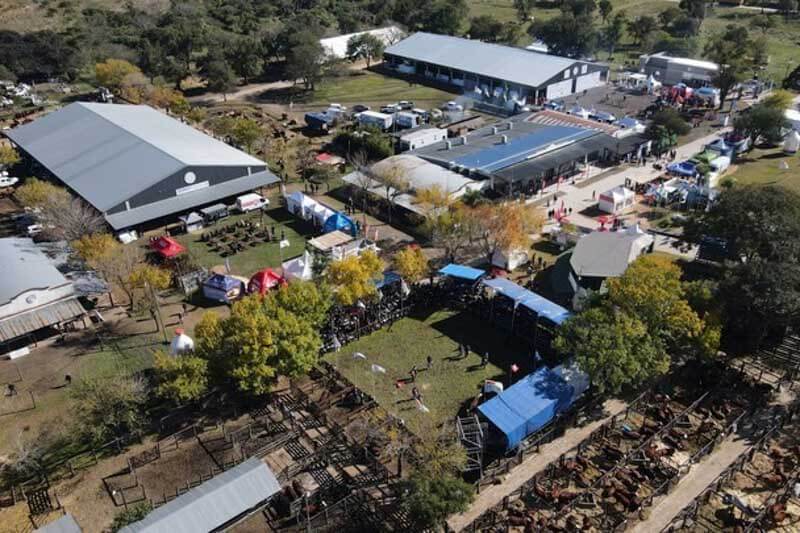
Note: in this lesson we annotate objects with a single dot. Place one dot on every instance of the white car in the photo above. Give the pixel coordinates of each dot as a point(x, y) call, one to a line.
point(453, 106)
point(6, 181)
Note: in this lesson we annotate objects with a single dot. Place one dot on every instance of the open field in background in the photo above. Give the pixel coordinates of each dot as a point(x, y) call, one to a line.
point(762, 167)
point(450, 384)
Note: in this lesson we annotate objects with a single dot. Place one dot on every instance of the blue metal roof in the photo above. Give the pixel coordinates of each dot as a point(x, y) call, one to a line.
point(516, 150)
point(462, 271)
point(535, 302)
point(528, 405)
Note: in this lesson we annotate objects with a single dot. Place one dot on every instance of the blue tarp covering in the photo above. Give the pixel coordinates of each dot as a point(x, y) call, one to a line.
point(684, 168)
point(461, 271)
point(528, 405)
point(536, 303)
point(340, 222)
point(388, 279)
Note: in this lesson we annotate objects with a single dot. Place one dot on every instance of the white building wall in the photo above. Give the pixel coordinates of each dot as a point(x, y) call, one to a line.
point(34, 298)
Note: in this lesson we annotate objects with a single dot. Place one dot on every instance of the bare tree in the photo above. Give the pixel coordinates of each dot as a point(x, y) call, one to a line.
point(69, 219)
point(363, 176)
point(392, 177)
point(117, 268)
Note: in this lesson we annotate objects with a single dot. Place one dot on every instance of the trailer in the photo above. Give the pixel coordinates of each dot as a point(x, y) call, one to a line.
point(423, 137)
point(407, 120)
point(373, 118)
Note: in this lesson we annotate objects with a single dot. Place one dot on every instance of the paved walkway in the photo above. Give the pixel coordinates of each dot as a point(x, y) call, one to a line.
point(531, 466)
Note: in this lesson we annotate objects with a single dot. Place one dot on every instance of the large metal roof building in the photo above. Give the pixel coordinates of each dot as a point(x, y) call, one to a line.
point(486, 66)
point(215, 504)
point(135, 164)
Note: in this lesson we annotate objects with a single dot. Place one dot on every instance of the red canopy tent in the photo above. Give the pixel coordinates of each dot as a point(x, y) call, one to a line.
point(167, 247)
point(264, 280)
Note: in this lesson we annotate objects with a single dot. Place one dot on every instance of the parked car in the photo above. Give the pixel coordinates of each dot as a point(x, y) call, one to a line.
point(453, 106)
point(360, 108)
point(405, 105)
point(8, 181)
point(391, 108)
point(251, 202)
point(555, 106)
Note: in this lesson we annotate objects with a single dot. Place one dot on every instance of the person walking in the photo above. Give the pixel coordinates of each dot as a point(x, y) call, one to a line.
point(413, 374)
point(429, 360)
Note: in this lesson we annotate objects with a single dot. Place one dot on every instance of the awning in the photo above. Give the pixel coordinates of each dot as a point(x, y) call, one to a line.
point(167, 247)
point(463, 272)
point(41, 317)
point(529, 299)
point(573, 153)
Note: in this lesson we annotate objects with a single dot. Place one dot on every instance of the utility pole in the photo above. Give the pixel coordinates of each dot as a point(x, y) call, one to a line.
point(159, 317)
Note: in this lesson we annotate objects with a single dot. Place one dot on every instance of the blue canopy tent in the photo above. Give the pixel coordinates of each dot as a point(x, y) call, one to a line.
point(462, 272)
point(529, 299)
point(221, 288)
point(388, 279)
point(528, 405)
point(684, 168)
point(340, 222)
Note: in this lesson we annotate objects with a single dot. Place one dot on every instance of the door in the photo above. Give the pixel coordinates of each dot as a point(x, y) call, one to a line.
point(587, 81)
point(559, 89)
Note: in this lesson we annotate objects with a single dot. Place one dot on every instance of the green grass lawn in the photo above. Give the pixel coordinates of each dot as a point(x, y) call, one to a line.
point(451, 383)
point(253, 259)
point(762, 167)
point(369, 88)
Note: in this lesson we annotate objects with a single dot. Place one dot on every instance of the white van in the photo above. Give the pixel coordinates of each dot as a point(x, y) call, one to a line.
point(250, 202)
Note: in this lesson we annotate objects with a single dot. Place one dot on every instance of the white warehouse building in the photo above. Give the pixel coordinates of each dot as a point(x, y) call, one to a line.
point(492, 68)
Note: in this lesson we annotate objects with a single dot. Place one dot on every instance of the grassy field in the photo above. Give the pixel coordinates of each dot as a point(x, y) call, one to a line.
point(43, 373)
point(256, 258)
point(450, 384)
point(361, 87)
point(762, 167)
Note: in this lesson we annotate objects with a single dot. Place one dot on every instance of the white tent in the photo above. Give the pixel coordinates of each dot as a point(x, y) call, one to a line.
point(792, 143)
point(322, 213)
point(616, 200)
point(300, 205)
point(792, 116)
point(653, 84)
point(181, 343)
point(299, 268)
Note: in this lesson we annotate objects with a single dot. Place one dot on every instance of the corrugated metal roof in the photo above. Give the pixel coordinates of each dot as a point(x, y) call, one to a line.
point(190, 200)
point(214, 503)
point(24, 266)
point(108, 153)
point(607, 254)
point(65, 524)
point(41, 317)
point(507, 63)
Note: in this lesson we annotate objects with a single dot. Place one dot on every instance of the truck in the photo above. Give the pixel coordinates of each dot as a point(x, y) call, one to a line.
point(319, 121)
point(407, 120)
point(250, 202)
point(373, 118)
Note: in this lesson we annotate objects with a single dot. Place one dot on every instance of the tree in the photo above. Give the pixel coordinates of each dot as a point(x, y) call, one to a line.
point(441, 16)
point(694, 8)
point(411, 264)
point(68, 218)
point(245, 132)
point(792, 81)
point(132, 514)
point(641, 27)
point(220, 76)
point(761, 122)
point(304, 59)
point(7, 74)
point(181, 378)
point(669, 15)
point(505, 227)
point(763, 23)
point(787, 7)
point(364, 46)
point(109, 408)
point(95, 247)
point(429, 500)
point(567, 34)
point(118, 267)
point(8, 156)
point(391, 177)
point(651, 290)
point(112, 72)
point(605, 7)
point(36, 194)
point(613, 347)
point(779, 99)
point(246, 58)
point(665, 128)
point(353, 278)
point(309, 301)
point(730, 50)
point(485, 28)
point(524, 8)
point(613, 32)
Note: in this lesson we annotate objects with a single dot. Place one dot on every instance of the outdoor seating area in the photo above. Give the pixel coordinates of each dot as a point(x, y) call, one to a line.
point(235, 238)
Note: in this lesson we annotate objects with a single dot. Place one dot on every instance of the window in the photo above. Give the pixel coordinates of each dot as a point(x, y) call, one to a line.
point(584, 68)
point(566, 74)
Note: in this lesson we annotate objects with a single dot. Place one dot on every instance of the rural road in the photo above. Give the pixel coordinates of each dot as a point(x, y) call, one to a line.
point(241, 93)
point(534, 464)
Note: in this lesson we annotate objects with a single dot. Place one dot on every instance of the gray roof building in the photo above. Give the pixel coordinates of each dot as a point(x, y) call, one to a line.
point(214, 504)
point(33, 293)
point(120, 158)
point(471, 63)
point(607, 254)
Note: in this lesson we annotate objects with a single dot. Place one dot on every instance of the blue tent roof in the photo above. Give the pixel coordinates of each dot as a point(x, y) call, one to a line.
point(338, 221)
point(388, 279)
point(528, 405)
point(461, 271)
point(222, 282)
point(536, 303)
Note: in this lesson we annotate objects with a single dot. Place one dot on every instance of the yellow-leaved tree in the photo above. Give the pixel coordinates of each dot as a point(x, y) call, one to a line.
point(35, 193)
point(504, 227)
point(354, 278)
point(8, 156)
point(411, 264)
point(112, 72)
